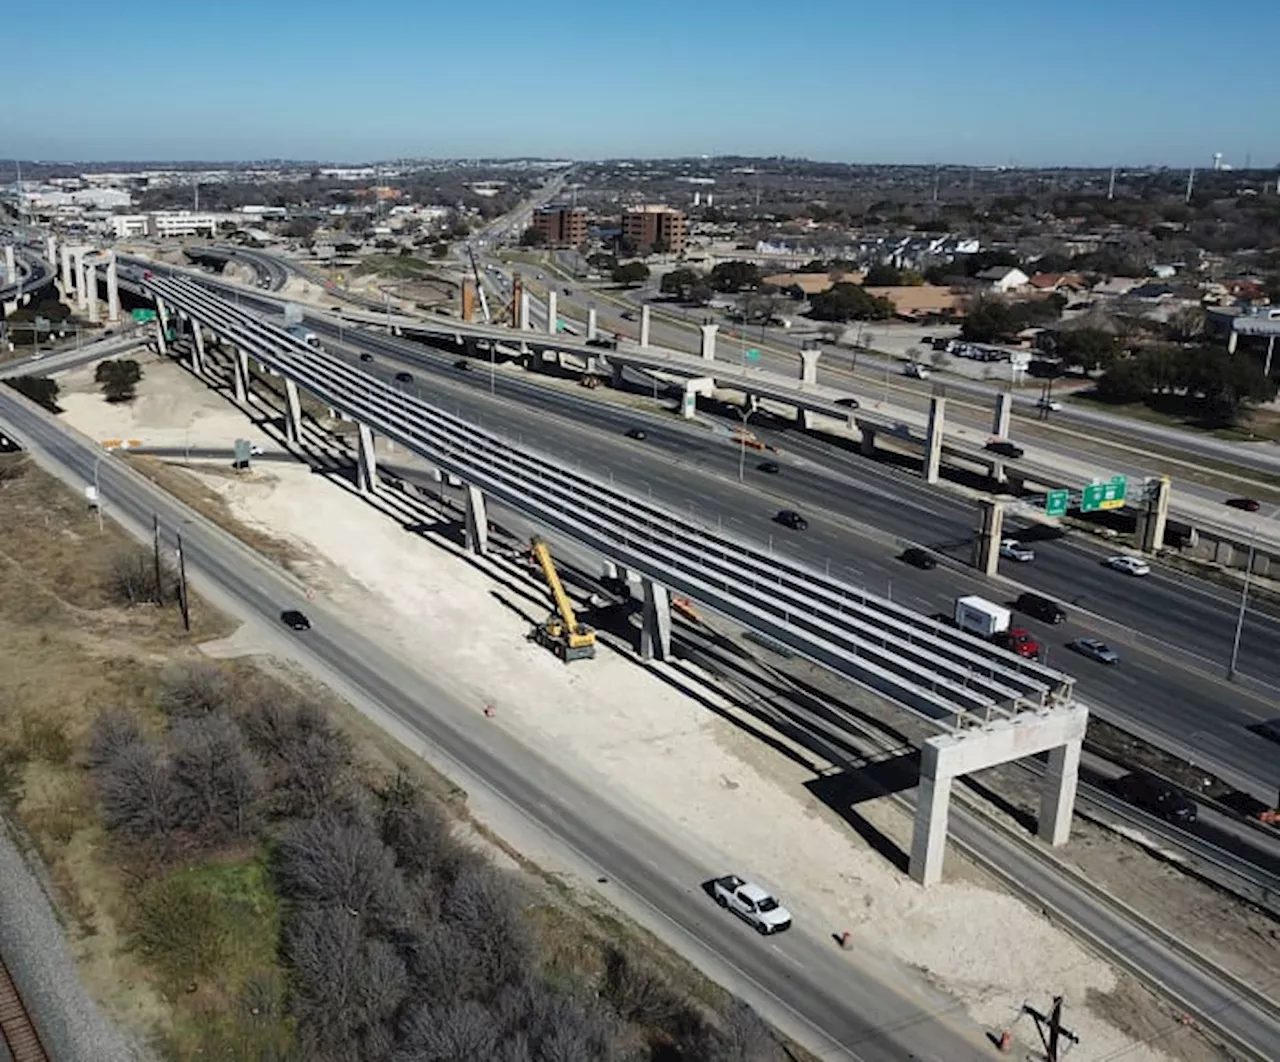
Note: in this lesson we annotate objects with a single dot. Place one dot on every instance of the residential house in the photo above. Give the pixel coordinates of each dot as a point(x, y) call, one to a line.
point(1004, 278)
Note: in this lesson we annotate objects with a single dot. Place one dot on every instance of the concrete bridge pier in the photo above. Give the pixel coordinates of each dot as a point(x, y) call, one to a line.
point(645, 316)
point(617, 379)
point(293, 412)
point(51, 250)
point(1153, 520)
point(10, 265)
point(68, 286)
point(82, 292)
point(655, 626)
point(1000, 429)
point(366, 460)
point(933, 439)
point(113, 289)
point(91, 290)
point(592, 322)
point(553, 313)
point(946, 757)
point(477, 521)
point(162, 325)
point(240, 376)
point(986, 542)
point(523, 319)
point(197, 348)
point(708, 348)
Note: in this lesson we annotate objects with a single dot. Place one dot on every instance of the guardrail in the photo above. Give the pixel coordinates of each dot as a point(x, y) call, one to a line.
point(942, 674)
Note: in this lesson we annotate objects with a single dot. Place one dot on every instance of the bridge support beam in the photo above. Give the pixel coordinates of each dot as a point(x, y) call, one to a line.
point(933, 439)
point(946, 757)
point(91, 290)
point(523, 319)
point(708, 348)
point(366, 460)
point(593, 322)
point(553, 312)
point(197, 347)
point(162, 325)
point(1000, 429)
point(293, 412)
point(986, 542)
point(476, 521)
point(10, 265)
point(1154, 519)
point(618, 381)
point(809, 365)
point(51, 250)
point(240, 376)
point(655, 626)
point(645, 316)
point(113, 289)
point(82, 293)
point(68, 286)
point(868, 443)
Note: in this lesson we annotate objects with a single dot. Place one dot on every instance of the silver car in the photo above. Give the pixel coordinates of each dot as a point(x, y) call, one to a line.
point(1095, 650)
point(1016, 551)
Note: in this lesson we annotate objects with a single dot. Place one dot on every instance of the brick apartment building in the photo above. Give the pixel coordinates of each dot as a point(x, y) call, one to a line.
point(561, 226)
point(646, 226)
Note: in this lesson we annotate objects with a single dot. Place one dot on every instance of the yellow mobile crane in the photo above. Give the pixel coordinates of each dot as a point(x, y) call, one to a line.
point(561, 632)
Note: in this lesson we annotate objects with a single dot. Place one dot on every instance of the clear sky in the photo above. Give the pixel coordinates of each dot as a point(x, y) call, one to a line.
point(985, 82)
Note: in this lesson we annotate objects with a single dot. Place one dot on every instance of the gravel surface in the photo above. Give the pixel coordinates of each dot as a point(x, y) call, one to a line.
point(36, 953)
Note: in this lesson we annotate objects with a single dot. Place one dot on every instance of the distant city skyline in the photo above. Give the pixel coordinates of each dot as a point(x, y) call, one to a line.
point(1002, 84)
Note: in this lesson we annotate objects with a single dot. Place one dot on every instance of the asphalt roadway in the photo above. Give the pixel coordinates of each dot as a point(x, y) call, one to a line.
point(841, 1005)
point(1173, 632)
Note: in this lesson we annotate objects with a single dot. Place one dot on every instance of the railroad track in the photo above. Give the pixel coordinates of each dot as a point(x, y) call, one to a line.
point(16, 1028)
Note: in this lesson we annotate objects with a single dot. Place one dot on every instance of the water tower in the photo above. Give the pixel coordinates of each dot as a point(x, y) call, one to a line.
point(1217, 161)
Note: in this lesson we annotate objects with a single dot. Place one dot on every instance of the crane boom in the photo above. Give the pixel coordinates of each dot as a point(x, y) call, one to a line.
point(568, 638)
point(484, 301)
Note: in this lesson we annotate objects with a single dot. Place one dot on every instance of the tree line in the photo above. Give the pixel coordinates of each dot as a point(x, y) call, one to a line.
point(401, 941)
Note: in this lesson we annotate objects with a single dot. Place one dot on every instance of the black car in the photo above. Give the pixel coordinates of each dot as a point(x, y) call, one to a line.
point(1156, 796)
point(295, 620)
point(462, 364)
point(1268, 728)
point(637, 433)
point(404, 377)
point(366, 357)
point(1041, 608)
point(605, 344)
point(1005, 448)
point(768, 466)
point(1249, 505)
point(792, 519)
point(850, 403)
point(919, 558)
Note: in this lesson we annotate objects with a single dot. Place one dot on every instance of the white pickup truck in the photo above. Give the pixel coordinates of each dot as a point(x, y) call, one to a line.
point(751, 903)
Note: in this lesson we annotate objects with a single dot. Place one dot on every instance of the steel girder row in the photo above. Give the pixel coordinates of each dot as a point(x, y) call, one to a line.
point(929, 667)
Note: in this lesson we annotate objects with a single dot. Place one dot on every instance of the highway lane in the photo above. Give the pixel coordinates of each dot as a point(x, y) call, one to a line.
point(695, 471)
point(853, 1006)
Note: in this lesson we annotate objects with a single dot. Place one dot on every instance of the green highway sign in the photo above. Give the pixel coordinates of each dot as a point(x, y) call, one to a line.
point(1108, 495)
point(751, 355)
point(1056, 502)
point(143, 316)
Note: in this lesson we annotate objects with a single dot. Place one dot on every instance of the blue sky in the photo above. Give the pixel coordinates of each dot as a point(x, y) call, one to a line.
point(1089, 82)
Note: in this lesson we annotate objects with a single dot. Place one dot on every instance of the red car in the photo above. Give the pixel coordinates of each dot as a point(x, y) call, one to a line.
point(1249, 505)
point(1020, 641)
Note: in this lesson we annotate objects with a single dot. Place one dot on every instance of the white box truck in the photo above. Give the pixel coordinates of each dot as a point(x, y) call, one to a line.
point(988, 620)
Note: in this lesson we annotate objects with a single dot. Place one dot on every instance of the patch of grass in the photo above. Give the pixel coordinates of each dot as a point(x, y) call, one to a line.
point(405, 267)
point(45, 739)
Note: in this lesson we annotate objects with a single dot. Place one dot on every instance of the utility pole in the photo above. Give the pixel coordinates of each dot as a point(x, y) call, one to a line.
point(183, 601)
point(155, 542)
point(1244, 606)
point(1055, 1032)
point(1111, 185)
point(1191, 183)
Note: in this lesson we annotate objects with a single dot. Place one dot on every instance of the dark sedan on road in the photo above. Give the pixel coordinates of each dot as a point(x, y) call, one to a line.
point(1004, 448)
point(919, 558)
point(792, 519)
point(770, 467)
point(1094, 650)
point(1156, 796)
point(638, 434)
point(404, 377)
point(1249, 505)
point(295, 620)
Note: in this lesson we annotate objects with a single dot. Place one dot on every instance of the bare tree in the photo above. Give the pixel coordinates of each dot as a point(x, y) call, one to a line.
point(346, 987)
point(557, 1026)
point(332, 861)
point(305, 756)
point(131, 577)
point(453, 1032)
point(419, 833)
point(443, 964)
point(113, 731)
point(195, 689)
point(137, 794)
point(215, 777)
point(638, 993)
point(743, 1037)
point(482, 903)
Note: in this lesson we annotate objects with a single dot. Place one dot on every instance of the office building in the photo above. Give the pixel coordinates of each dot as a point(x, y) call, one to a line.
point(561, 226)
point(654, 228)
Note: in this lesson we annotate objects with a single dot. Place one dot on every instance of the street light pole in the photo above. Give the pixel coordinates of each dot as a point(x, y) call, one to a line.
point(97, 490)
point(745, 413)
point(1244, 604)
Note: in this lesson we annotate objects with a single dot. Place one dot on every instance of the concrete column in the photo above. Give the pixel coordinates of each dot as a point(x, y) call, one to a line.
point(552, 313)
point(986, 543)
point(82, 294)
point(933, 440)
point(809, 366)
point(51, 250)
point(1153, 520)
point(709, 331)
point(113, 289)
point(1058, 793)
point(197, 347)
point(868, 444)
point(618, 381)
point(689, 402)
point(162, 325)
point(644, 325)
point(293, 412)
point(240, 376)
point(929, 837)
point(10, 265)
point(524, 311)
point(477, 522)
point(592, 322)
point(67, 286)
point(366, 461)
point(91, 291)
point(655, 627)
point(1003, 414)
